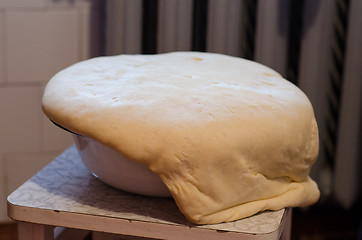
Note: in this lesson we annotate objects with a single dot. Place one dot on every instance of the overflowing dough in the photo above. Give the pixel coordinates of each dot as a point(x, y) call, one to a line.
point(228, 137)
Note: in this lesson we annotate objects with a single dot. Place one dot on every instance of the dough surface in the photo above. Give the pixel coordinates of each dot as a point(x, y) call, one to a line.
point(228, 137)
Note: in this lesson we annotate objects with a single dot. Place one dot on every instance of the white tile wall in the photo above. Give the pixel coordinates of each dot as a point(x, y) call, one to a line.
point(47, 3)
point(2, 80)
point(2, 191)
point(40, 43)
point(22, 3)
point(20, 119)
point(2, 47)
point(37, 39)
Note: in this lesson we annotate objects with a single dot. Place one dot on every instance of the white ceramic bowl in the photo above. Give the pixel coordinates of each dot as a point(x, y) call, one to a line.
point(116, 170)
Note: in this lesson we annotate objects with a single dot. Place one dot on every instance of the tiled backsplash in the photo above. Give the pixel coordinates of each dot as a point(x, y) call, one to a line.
point(37, 39)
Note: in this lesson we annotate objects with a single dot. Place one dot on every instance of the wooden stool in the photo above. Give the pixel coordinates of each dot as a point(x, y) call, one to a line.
point(65, 194)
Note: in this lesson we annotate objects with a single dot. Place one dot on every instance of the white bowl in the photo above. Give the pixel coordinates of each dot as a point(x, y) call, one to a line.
point(116, 170)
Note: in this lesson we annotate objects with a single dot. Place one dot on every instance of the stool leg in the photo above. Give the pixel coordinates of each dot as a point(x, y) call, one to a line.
point(31, 231)
point(287, 231)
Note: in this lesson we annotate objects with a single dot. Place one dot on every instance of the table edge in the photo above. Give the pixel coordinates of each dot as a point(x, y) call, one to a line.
point(125, 226)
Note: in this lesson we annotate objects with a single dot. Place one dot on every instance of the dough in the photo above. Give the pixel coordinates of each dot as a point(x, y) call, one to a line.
point(228, 137)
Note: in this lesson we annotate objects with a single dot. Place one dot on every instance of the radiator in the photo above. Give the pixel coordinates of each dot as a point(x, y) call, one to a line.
point(315, 44)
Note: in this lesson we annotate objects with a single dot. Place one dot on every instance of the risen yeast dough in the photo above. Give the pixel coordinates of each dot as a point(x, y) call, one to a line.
point(228, 137)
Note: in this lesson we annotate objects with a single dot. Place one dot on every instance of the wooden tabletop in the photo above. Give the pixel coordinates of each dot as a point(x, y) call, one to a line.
point(66, 194)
